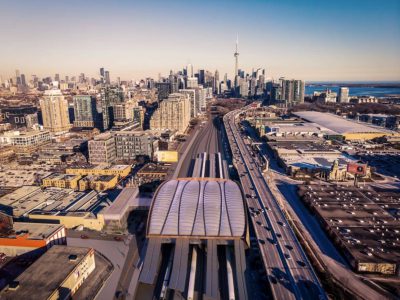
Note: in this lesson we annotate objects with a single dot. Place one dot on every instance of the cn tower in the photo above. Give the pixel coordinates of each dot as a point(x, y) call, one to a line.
point(236, 55)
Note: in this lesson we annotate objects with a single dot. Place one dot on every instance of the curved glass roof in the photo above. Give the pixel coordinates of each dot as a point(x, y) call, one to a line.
point(199, 208)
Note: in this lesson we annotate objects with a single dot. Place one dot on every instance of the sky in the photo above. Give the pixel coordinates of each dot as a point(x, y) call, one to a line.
point(309, 39)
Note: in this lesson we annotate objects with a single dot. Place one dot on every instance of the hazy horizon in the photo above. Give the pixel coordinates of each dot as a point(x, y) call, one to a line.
point(309, 40)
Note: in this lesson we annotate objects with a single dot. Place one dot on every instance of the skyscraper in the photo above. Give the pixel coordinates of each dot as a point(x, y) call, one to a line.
point(343, 95)
point(189, 70)
point(216, 82)
point(102, 75)
point(201, 77)
point(17, 77)
point(23, 80)
point(107, 77)
point(55, 111)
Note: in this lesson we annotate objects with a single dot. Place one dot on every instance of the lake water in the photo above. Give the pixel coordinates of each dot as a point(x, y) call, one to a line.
point(357, 91)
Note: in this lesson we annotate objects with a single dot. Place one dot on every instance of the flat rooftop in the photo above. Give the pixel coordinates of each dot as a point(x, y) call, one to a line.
point(104, 178)
point(153, 168)
point(32, 198)
point(101, 167)
point(201, 208)
point(46, 274)
point(338, 124)
point(366, 221)
point(61, 176)
point(18, 178)
point(35, 231)
point(128, 199)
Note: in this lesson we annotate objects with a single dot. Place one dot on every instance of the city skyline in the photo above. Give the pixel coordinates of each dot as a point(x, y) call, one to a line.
point(313, 41)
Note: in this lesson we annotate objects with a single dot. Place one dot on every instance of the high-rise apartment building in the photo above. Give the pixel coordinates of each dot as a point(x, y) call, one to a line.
point(102, 149)
point(292, 91)
point(192, 82)
point(130, 144)
point(173, 113)
point(55, 112)
point(138, 115)
point(85, 111)
point(200, 99)
point(109, 97)
point(244, 88)
point(194, 109)
point(163, 90)
point(343, 95)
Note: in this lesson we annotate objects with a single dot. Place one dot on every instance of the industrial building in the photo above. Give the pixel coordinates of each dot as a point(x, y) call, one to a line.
point(197, 231)
point(56, 205)
point(102, 169)
point(344, 128)
point(25, 141)
point(57, 274)
point(307, 156)
point(98, 183)
point(152, 171)
point(17, 238)
point(363, 223)
point(66, 181)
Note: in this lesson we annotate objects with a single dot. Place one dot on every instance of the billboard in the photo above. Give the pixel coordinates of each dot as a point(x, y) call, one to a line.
point(357, 168)
point(167, 156)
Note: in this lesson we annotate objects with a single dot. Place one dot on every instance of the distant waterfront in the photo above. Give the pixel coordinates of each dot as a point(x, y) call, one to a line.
point(376, 91)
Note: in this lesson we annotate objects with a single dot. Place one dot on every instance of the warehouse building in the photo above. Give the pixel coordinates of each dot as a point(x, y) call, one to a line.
point(363, 224)
point(102, 169)
point(55, 205)
point(344, 128)
point(65, 181)
point(17, 238)
point(57, 274)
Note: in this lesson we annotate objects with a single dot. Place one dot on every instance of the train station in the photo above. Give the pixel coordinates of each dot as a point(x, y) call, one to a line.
point(197, 235)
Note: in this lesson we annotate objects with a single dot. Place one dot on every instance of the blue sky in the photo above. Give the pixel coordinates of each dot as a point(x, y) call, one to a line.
point(311, 40)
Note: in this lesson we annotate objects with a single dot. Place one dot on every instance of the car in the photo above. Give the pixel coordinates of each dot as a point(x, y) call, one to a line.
point(261, 241)
point(290, 248)
point(301, 263)
point(287, 256)
point(84, 236)
point(258, 222)
point(118, 238)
